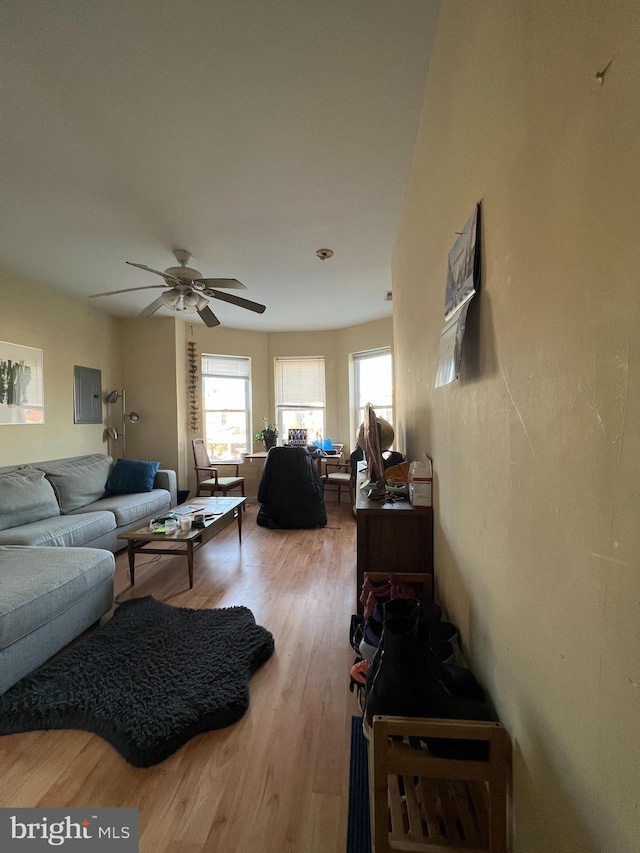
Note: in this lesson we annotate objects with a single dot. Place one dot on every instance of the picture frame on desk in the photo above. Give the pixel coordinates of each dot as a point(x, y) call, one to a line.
point(297, 437)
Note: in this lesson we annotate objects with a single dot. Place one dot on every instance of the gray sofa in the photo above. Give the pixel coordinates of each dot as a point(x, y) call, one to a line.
point(47, 597)
point(58, 529)
point(63, 502)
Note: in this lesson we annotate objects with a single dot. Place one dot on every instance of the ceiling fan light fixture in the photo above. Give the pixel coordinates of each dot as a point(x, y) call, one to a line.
point(190, 298)
point(201, 303)
point(171, 298)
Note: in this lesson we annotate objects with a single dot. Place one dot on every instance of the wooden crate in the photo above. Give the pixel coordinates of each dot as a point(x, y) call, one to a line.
point(422, 803)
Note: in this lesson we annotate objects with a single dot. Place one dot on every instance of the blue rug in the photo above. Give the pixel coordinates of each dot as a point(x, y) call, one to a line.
point(358, 829)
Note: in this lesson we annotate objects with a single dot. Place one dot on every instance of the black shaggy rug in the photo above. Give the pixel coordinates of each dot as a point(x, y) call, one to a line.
point(147, 681)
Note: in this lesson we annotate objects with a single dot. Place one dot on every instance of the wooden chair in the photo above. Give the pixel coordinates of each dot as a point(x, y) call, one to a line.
point(338, 473)
point(207, 477)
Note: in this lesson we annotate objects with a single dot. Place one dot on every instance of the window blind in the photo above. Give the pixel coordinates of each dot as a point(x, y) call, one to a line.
point(300, 382)
point(222, 365)
point(371, 353)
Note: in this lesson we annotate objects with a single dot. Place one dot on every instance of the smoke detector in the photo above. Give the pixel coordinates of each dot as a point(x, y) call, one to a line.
point(323, 254)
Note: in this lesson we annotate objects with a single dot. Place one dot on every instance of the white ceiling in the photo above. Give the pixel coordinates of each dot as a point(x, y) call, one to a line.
point(250, 133)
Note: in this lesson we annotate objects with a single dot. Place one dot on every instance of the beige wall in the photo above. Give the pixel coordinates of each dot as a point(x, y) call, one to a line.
point(537, 447)
point(150, 379)
point(69, 332)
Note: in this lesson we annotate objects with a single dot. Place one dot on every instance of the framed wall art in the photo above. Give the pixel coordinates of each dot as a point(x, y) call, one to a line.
point(21, 385)
point(463, 282)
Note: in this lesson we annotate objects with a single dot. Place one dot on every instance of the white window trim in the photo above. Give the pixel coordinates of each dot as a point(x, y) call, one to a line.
point(364, 355)
point(248, 397)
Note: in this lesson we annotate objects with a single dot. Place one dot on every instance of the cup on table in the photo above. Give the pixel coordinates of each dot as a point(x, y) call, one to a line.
point(185, 524)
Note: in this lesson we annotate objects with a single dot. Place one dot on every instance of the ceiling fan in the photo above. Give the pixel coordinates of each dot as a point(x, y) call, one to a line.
point(186, 290)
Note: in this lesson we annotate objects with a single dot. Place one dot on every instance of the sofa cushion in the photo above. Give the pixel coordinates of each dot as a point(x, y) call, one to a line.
point(128, 509)
point(40, 584)
point(131, 476)
point(70, 530)
point(78, 482)
point(25, 496)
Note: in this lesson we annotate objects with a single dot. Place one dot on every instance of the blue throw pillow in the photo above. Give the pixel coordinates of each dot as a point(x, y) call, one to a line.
point(130, 476)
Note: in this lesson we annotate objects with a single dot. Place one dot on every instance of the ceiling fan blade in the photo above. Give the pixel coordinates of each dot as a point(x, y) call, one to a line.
point(208, 317)
point(226, 283)
point(237, 300)
point(126, 290)
point(151, 309)
point(164, 275)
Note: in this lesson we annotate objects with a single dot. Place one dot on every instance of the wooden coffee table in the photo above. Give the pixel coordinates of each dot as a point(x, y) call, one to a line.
point(142, 539)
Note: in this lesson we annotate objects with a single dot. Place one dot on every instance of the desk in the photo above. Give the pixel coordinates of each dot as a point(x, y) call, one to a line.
point(330, 457)
point(391, 537)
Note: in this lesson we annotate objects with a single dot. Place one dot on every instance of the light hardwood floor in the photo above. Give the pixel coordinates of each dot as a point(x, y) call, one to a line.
point(277, 780)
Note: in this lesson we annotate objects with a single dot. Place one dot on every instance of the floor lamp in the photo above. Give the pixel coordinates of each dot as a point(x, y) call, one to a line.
point(112, 397)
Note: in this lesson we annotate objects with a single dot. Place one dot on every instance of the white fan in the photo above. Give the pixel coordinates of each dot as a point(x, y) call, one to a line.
point(186, 290)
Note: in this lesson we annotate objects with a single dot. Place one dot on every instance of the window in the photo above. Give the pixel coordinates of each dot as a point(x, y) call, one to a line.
point(300, 396)
point(226, 394)
point(373, 383)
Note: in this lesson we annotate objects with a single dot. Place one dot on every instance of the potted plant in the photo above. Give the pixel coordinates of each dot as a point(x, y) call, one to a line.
point(268, 434)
